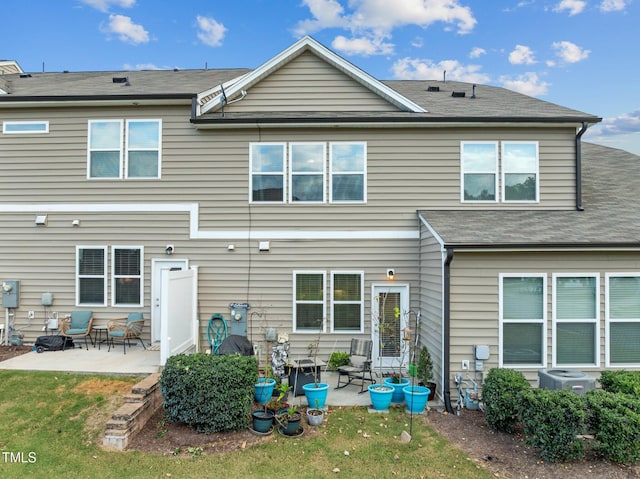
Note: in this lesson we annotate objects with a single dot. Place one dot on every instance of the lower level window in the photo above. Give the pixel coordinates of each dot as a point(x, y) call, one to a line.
point(127, 276)
point(309, 312)
point(348, 301)
point(91, 276)
point(623, 318)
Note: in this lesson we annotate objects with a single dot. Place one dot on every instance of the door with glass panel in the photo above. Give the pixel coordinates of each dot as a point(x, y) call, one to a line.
point(389, 317)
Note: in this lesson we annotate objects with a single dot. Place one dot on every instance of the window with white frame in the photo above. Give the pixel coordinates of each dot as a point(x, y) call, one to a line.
point(267, 166)
point(119, 149)
point(479, 170)
point(623, 319)
point(309, 301)
point(297, 172)
point(25, 127)
point(519, 171)
point(126, 276)
point(576, 314)
point(347, 297)
point(91, 276)
point(523, 314)
point(348, 172)
point(482, 160)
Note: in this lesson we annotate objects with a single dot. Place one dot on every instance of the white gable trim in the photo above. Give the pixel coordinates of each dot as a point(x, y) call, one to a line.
point(306, 44)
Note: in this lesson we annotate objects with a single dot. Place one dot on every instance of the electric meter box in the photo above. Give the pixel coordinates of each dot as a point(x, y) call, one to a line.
point(10, 294)
point(573, 380)
point(46, 299)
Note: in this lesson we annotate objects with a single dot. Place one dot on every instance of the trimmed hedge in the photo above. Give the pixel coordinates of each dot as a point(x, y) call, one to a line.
point(501, 393)
point(615, 421)
point(627, 382)
point(552, 420)
point(208, 392)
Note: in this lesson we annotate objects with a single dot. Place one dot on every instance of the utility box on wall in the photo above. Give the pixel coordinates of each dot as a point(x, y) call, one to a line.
point(238, 321)
point(10, 294)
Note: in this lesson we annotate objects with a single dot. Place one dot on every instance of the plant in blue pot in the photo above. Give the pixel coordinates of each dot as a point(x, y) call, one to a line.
point(380, 395)
point(316, 392)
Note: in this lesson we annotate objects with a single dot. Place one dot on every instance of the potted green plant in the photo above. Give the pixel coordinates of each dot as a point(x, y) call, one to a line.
point(315, 415)
point(316, 392)
point(290, 421)
point(425, 371)
point(337, 359)
point(278, 403)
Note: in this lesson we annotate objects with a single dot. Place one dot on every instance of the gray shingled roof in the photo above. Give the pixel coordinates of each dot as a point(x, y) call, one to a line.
point(490, 102)
point(609, 217)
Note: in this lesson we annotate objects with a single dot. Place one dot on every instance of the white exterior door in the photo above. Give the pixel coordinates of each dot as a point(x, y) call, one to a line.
point(158, 268)
point(389, 316)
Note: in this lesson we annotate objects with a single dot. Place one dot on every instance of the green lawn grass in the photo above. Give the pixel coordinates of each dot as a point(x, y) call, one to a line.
point(51, 425)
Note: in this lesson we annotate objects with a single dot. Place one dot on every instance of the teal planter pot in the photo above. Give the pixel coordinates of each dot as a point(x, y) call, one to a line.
point(381, 395)
point(264, 390)
point(262, 421)
point(316, 396)
point(398, 393)
point(416, 398)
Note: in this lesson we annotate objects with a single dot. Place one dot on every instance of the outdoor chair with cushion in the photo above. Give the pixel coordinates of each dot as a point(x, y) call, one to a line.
point(125, 329)
point(78, 325)
point(359, 366)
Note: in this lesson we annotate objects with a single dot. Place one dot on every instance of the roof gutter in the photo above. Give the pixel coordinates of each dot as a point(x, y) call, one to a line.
point(582, 131)
point(447, 331)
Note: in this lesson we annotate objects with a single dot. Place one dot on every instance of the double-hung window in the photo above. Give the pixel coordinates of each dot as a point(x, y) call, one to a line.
point(519, 171)
point(126, 276)
point(91, 276)
point(623, 319)
point(347, 297)
point(297, 173)
point(576, 314)
point(523, 314)
point(480, 162)
point(479, 170)
point(309, 301)
point(119, 149)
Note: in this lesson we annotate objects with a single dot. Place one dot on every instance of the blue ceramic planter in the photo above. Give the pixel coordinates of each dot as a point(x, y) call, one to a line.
point(416, 398)
point(316, 396)
point(264, 390)
point(380, 395)
point(398, 393)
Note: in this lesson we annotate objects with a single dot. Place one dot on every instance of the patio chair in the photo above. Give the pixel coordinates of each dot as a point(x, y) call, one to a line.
point(125, 329)
point(78, 325)
point(359, 367)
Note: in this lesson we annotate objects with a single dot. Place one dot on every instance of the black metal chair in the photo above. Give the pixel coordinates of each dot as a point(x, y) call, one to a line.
point(359, 367)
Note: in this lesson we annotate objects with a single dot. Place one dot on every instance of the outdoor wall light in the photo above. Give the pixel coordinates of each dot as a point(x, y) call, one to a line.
point(169, 249)
point(391, 273)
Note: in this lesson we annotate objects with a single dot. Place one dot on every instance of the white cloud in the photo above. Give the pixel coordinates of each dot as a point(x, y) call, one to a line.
point(570, 52)
point(126, 30)
point(613, 5)
point(529, 84)
point(619, 125)
point(477, 52)
point(211, 32)
point(362, 46)
point(425, 69)
point(105, 5)
point(521, 55)
point(143, 66)
point(375, 20)
point(574, 6)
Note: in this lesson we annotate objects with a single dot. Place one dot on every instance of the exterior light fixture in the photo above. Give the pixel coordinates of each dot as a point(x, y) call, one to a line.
point(391, 274)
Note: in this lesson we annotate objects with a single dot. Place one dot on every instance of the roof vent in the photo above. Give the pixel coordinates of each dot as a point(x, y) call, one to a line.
point(433, 88)
point(25, 75)
point(457, 94)
point(120, 79)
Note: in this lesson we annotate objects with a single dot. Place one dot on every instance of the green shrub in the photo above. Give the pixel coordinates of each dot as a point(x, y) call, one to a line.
point(208, 392)
point(614, 420)
point(627, 382)
point(552, 420)
point(501, 397)
point(337, 359)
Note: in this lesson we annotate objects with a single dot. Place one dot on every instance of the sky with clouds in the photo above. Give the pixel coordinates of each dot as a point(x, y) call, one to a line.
point(578, 53)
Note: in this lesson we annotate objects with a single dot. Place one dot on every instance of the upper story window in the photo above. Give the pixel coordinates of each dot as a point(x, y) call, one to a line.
point(25, 127)
point(297, 172)
point(481, 161)
point(130, 149)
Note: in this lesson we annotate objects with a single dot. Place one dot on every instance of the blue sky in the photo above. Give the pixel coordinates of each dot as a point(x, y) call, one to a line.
point(578, 53)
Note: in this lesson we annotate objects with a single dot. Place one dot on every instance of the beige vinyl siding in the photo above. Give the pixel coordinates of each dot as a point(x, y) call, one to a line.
point(431, 301)
point(475, 296)
point(308, 83)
